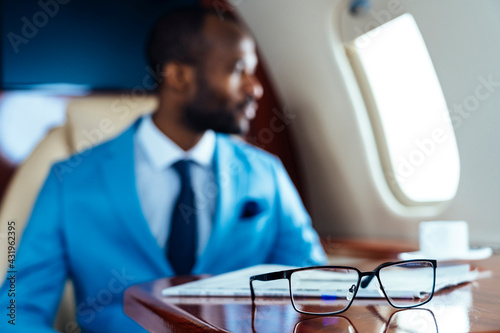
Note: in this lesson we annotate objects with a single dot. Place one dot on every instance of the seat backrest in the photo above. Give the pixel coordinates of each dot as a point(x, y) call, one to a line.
point(90, 120)
point(24, 186)
point(94, 119)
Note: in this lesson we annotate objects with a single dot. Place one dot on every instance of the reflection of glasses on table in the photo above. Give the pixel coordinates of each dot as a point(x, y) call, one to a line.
point(406, 320)
point(326, 290)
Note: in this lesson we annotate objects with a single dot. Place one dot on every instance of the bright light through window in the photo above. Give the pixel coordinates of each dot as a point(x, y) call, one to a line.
point(408, 112)
point(25, 118)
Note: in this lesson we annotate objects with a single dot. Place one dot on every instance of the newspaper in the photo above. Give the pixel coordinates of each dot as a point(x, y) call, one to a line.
point(236, 283)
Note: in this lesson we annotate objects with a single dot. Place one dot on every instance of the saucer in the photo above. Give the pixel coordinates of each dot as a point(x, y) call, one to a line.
point(472, 254)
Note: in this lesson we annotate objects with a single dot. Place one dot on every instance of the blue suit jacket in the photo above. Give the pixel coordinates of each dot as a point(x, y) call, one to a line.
point(87, 225)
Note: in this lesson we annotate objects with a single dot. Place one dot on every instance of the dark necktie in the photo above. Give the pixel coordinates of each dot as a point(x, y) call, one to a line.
point(181, 244)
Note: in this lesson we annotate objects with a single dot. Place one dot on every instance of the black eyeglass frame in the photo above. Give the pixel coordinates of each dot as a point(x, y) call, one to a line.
point(286, 274)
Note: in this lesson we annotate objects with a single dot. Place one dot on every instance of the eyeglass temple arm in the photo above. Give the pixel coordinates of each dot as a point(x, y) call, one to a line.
point(266, 277)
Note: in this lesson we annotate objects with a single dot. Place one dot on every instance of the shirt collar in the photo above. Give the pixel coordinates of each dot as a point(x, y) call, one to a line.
point(162, 152)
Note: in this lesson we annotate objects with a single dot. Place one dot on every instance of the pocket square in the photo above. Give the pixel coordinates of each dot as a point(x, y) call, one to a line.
point(251, 208)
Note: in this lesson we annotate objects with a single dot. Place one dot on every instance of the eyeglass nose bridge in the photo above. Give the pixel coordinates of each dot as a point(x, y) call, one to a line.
point(365, 282)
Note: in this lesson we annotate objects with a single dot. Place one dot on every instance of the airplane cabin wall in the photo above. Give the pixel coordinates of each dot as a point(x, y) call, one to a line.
point(346, 192)
point(464, 44)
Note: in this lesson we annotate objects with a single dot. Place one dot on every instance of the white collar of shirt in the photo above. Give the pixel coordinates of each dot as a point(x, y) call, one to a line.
point(162, 152)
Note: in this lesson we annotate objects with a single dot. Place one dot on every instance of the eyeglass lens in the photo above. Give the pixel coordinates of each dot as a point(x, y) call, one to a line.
point(408, 284)
point(323, 290)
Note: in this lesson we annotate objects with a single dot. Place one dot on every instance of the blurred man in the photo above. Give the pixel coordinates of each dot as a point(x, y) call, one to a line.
point(173, 194)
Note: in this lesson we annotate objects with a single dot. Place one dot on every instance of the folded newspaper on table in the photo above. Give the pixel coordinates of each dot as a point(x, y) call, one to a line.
point(237, 283)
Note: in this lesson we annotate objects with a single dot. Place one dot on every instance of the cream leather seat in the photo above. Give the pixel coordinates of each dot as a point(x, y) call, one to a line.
point(89, 121)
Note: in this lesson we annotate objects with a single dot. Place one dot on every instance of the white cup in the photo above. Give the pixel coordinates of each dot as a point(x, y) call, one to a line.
point(444, 239)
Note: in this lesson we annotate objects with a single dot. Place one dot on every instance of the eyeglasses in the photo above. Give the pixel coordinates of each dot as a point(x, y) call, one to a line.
point(327, 290)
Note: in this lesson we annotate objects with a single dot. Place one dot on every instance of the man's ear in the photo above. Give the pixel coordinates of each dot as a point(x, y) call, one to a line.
point(179, 77)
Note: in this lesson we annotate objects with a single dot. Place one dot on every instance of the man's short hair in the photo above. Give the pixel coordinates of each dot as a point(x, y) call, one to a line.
point(177, 36)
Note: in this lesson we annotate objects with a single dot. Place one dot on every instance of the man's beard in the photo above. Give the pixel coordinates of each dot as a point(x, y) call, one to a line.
point(210, 112)
point(222, 120)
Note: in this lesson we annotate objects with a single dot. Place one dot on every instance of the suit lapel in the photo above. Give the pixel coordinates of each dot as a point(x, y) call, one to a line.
point(119, 178)
point(232, 181)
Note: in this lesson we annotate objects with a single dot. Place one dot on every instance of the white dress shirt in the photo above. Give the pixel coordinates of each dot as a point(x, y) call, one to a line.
point(159, 185)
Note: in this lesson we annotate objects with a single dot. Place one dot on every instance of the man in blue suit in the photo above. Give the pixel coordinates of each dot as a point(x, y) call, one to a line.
point(173, 180)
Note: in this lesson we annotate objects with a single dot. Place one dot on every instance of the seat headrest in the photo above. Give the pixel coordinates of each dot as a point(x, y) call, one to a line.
point(93, 119)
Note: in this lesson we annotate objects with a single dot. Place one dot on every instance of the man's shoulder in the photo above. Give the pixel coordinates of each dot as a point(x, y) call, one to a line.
point(87, 160)
point(247, 151)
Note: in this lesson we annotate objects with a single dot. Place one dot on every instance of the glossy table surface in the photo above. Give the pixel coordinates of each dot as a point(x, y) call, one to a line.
point(471, 307)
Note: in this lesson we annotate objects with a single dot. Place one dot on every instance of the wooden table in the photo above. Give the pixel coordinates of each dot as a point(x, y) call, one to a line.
point(472, 307)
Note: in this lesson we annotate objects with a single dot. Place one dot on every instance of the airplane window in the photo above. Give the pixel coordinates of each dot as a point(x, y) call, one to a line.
point(408, 112)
